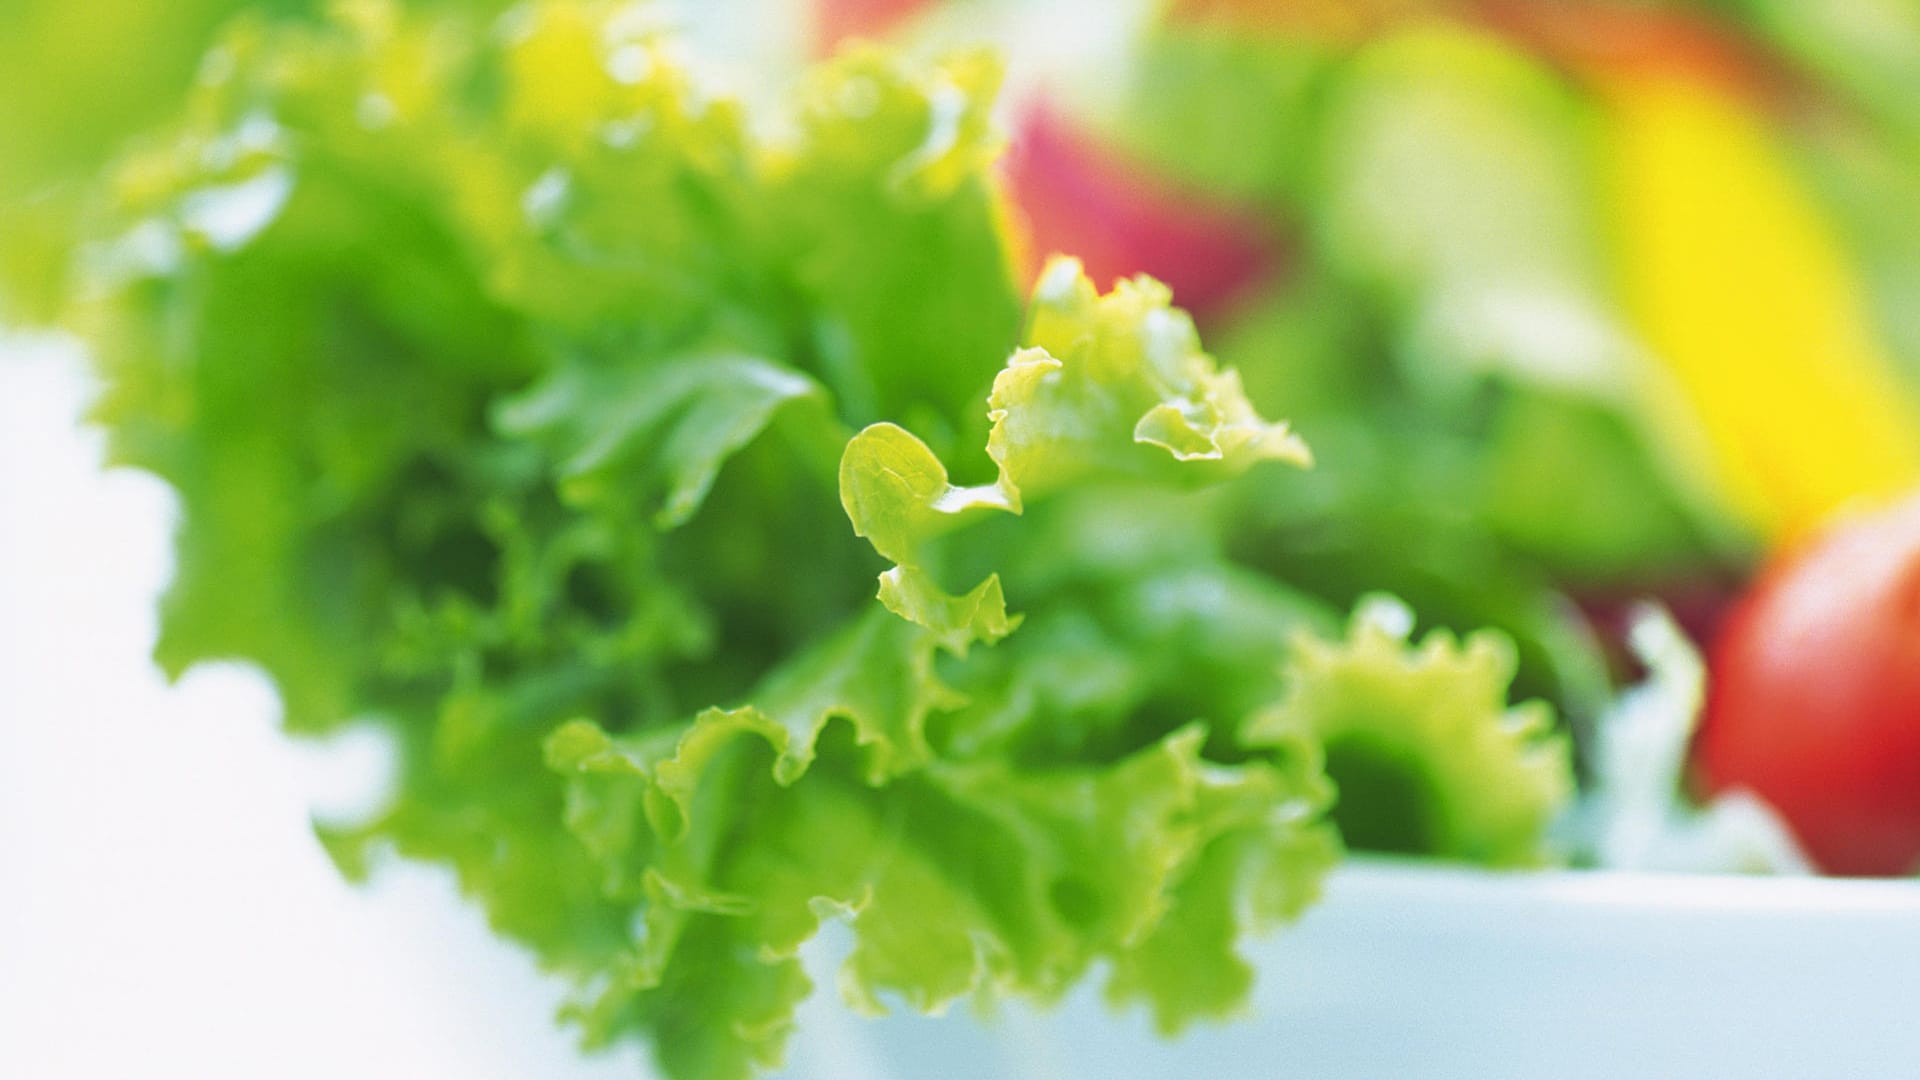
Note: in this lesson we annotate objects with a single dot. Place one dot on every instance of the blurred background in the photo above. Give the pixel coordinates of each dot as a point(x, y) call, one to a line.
point(1662, 247)
point(1581, 305)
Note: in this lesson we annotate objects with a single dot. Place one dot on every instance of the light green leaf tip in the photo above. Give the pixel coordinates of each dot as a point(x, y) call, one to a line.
point(1129, 367)
point(1112, 385)
point(1429, 756)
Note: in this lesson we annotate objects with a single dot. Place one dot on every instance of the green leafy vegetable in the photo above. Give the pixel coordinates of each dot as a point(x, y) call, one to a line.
point(1112, 384)
point(528, 401)
point(1421, 741)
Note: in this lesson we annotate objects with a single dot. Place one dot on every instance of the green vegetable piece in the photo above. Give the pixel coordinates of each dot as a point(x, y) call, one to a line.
point(1111, 386)
point(507, 381)
point(893, 231)
point(1261, 866)
point(1427, 754)
point(1129, 369)
point(955, 878)
point(656, 433)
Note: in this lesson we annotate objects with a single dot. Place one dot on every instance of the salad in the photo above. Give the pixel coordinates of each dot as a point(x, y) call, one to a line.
point(737, 516)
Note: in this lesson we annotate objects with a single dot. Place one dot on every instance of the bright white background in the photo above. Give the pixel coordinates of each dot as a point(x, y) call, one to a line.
point(164, 908)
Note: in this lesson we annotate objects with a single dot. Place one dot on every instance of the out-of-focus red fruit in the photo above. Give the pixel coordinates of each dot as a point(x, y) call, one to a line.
point(837, 21)
point(1814, 698)
point(1086, 199)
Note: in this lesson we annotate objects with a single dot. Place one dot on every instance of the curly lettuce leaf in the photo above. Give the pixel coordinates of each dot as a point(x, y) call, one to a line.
point(466, 453)
point(1106, 664)
point(1261, 866)
point(1428, 756)
point(897, 494)
point(1101, 371)
point(832, 746)
point(507, 380)
point(614, 195)
point(907, 152)
point(658, 433)
point(1112, 385)
point(957, 878)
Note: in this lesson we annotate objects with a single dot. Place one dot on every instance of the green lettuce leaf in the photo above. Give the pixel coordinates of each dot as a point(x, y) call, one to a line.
point(960, 871)
point(1427, 754)
point(466, 456)
point(1112, 385)
point(658, 433)
point(956, 878)
point(907, 153)
point(509, 381)
point(1261, 865)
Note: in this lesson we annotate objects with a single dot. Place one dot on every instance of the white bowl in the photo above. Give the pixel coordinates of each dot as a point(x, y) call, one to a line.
point(1410, 970)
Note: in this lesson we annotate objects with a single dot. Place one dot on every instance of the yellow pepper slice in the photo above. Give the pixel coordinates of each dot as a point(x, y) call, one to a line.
point(1741, 288)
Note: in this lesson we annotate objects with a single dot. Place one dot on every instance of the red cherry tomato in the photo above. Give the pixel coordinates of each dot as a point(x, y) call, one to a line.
point(1814, 700)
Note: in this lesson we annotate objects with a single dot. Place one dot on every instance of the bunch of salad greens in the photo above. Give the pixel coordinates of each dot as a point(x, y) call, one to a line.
point(727, 544)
